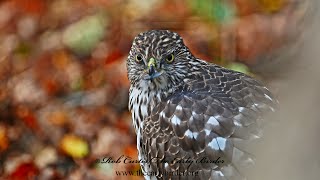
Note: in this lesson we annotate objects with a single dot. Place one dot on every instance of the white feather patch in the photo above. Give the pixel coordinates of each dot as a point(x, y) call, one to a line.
point(213, 121)
point(191, 135)
point(175, 120)
point(218, 143)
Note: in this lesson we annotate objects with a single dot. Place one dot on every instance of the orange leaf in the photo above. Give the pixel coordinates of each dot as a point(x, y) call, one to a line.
point(3, 138)
point(31, 6)
point(131, 151)
point(114, 56)
point(27, 117)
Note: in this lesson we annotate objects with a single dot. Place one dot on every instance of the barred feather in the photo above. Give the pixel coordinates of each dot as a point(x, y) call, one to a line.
point(193, 110)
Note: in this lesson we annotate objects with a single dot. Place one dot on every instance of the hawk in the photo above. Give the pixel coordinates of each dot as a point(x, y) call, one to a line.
point(192, 118)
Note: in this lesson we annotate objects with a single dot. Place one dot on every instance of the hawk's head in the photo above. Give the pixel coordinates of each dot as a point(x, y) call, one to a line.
point(158, 59)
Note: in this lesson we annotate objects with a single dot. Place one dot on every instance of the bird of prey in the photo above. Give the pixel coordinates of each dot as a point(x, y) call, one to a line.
point(192, 118)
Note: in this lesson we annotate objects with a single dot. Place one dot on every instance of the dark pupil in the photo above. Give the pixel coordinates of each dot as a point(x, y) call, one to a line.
point(169, 58)
point(139, 58)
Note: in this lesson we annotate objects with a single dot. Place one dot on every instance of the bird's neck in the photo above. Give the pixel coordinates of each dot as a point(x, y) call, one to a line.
point(147, 93)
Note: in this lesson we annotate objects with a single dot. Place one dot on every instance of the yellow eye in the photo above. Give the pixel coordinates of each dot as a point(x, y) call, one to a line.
point(170, 58)
point(138, 58)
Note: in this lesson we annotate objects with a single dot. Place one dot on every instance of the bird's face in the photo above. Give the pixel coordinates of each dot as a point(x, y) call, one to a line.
point(158, 58)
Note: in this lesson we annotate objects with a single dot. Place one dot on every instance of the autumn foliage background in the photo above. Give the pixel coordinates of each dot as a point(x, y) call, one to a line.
point(63, 81)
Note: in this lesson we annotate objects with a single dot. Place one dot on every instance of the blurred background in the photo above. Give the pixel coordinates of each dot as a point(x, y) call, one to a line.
point(64, 87)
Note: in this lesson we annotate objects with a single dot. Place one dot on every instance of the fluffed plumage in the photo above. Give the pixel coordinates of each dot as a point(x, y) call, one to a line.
point(186, 108)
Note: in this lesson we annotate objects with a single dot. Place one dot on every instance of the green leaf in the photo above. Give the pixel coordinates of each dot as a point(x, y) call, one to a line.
point(239, 67)
point(216, 10)
point(82, 36)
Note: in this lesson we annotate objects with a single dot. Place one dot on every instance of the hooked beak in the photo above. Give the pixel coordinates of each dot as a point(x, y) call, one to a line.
point(152, 72)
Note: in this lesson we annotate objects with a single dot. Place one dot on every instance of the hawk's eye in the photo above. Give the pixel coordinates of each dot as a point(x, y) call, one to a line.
point(138, 58)
point(170, 58)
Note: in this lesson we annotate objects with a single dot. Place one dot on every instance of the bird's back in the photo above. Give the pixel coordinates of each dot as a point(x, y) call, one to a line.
point(201, 128)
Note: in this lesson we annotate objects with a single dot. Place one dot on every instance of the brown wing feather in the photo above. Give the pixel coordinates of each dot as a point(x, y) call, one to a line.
point(206, 118)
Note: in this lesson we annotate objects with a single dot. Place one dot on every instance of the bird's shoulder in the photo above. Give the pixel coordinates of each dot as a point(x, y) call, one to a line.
point(216, 99)
point(225, 84)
